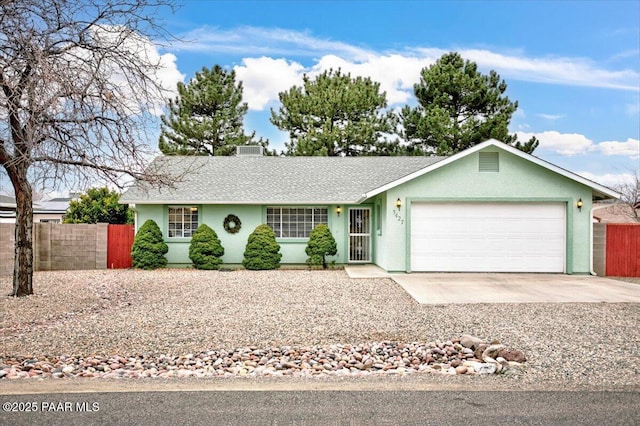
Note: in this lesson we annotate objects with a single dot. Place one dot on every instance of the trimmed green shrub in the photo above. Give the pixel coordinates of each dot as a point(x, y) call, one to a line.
point(205, 249)
point(148, 247)
point(321, 244)
point(262, 250)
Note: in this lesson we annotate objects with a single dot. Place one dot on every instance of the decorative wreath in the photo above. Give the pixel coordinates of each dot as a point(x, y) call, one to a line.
point(232, 224)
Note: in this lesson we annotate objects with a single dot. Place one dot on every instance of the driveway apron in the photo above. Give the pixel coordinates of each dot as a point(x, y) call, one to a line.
point(448, 288)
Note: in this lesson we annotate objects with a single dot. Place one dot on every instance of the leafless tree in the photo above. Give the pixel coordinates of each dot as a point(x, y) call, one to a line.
point(78, 89)
point(630, 195)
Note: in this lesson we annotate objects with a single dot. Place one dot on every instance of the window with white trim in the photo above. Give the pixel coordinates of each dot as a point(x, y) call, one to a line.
point(183, 221)
point(295, 222)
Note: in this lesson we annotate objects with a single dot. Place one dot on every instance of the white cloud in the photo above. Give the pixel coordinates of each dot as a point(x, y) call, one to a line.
point(554, 70)
point(551, 117)
point(248, 40)
point(610, 180)
point(264, 75)
point(263, 78)
point(160, 67)
point(574, 143)
point(631, 148)
point(398, 70)
point(562, 143)
point(396, 74)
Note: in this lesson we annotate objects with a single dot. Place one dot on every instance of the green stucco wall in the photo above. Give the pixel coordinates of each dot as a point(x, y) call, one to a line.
point(293, 250)
point(518, 180)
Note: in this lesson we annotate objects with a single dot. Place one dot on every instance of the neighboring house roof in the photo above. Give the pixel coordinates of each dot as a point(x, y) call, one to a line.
point(7, 203)
point(616, 213)
point(305, 180)
point(291, 180)
point(54, 206)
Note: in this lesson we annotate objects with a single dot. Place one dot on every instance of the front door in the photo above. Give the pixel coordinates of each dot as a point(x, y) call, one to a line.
point(360, 235)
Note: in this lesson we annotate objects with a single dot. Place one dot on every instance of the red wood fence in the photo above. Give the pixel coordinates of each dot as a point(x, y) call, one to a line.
point(119, 243)
point(623, 250)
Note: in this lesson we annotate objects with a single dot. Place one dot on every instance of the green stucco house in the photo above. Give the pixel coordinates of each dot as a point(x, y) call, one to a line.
point(490, 208)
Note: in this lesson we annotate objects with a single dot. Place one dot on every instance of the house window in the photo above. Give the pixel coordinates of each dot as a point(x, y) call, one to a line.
point(183, 221)
point(295, 222)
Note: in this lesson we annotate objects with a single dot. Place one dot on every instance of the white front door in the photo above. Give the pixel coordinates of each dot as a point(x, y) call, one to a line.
point(360, 235)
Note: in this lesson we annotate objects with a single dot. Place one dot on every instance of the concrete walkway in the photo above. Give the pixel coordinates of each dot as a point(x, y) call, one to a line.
point(446, 288)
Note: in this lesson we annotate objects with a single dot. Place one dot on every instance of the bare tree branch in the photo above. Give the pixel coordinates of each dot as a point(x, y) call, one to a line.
point(79, 91)
point(630, 196)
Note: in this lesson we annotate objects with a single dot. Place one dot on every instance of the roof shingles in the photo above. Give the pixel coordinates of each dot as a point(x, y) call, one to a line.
point(287, 180)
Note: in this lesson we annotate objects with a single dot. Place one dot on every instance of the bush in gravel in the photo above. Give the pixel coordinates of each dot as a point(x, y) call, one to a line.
point(148, 247)
point(321, 244)
point(205, 249)
point(262, 250)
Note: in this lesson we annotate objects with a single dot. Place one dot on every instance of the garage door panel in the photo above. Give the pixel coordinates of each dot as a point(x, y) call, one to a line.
point(488, 237)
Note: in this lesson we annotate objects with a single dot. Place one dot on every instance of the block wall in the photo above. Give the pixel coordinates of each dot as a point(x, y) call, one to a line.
point(59, 246)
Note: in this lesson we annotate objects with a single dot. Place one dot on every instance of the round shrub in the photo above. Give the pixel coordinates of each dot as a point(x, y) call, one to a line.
point(321, 244)
point(148, 247)
point(262, 250)
point(205, 249)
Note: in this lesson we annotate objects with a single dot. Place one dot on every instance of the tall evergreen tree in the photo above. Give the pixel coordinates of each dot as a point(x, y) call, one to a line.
point(98, 205)
point(206, 116)
point(458, 107)
point(333, 114)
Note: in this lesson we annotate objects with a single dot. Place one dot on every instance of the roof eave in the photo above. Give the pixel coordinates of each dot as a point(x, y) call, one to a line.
point(257, 203)
point(597, 188)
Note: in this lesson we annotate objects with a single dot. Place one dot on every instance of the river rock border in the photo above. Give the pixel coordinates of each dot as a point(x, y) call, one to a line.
point(467, 355)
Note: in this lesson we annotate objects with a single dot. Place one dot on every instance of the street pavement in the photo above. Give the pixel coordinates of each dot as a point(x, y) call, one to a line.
point(394, 407)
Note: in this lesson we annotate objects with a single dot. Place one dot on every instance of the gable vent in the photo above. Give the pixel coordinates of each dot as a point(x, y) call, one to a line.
point(489, 162)
point(250, 150)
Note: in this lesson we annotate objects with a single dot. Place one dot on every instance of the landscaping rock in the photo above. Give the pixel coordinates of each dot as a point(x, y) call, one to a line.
point(470, 342)
point(512, 355)
point(438, 357)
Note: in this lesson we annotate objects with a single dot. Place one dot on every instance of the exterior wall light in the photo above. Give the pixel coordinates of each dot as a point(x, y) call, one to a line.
point(579, 204)
point(338, 210)
point(398, 203)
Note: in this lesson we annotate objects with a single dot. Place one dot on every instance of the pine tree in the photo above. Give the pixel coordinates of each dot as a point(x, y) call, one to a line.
point(458, 107)
point(206, 116)
point(332, 115)
point(98, 205)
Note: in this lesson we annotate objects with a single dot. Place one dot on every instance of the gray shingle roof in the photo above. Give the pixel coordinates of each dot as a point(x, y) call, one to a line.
point(287, 180)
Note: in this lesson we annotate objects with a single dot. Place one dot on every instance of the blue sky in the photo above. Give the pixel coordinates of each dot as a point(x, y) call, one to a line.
point(573, 66)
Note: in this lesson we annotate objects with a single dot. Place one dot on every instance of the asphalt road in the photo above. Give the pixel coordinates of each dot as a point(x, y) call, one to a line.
point(397, 407)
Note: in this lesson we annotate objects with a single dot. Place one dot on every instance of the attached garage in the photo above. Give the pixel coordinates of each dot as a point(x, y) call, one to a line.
point(488, 237)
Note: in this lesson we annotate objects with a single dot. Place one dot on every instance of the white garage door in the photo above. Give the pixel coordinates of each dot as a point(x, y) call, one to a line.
point(488, 237)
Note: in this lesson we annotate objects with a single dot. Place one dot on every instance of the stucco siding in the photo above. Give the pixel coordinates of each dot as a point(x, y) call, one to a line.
point(293, 250)
point(517, 180)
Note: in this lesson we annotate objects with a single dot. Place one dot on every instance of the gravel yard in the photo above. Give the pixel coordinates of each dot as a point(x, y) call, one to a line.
point(174, 312)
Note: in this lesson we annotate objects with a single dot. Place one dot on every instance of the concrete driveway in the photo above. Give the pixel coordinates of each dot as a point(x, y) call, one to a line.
point(445, 288)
